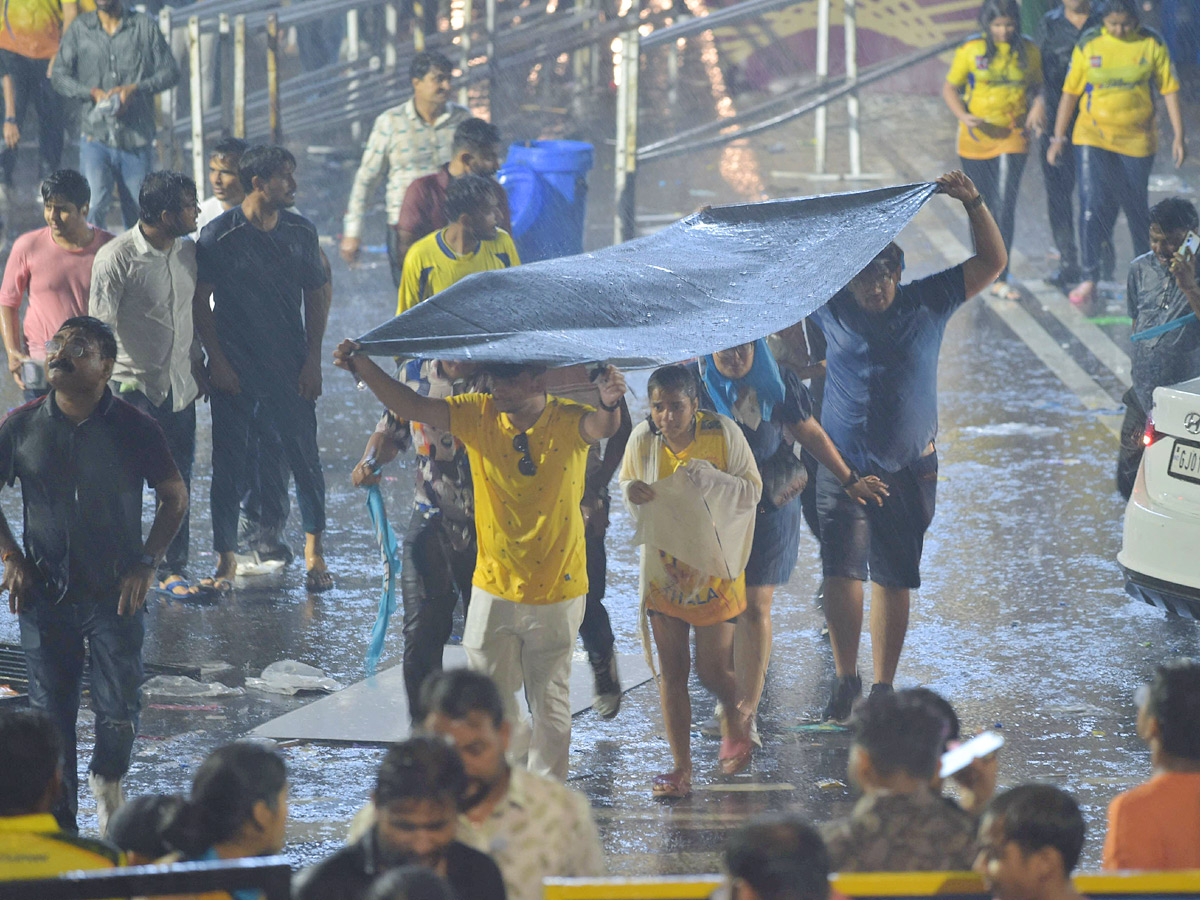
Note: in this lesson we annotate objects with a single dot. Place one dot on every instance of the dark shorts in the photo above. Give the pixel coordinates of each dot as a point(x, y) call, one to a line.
point(878, 543)
point(776, 544)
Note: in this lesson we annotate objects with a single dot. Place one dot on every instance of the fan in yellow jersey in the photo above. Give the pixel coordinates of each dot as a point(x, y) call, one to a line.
point(1115, 135)
point(470, 243)
point(993, 88)
point(31, 843)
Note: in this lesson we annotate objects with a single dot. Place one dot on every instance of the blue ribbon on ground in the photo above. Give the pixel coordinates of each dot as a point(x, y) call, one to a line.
point(389, 555)
point(1163, 328)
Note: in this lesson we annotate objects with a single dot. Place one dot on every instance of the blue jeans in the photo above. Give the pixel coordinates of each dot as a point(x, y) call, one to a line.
point(108, 169)
point(1108, 183)
point(52, 637)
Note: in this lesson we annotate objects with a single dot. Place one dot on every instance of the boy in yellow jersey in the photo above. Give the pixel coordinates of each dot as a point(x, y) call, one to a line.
point(1115, 135)
point(528, 453)
point(31, 843)
point(470, 243)
point(990, 89)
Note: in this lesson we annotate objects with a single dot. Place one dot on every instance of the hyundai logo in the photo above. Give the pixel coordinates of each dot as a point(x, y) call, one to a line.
point(1192, 422)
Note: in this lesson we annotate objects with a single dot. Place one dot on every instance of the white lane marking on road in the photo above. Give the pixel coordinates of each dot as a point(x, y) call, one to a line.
point(1099, 344)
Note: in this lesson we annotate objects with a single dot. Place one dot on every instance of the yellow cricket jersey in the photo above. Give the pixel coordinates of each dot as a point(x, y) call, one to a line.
point(996, 90)
point(1112, 78)
point(431, 266)
point(34, 847)
point(529, 527)
point(685, 593)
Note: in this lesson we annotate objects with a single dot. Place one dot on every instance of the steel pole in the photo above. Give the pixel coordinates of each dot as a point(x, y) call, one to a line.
point(490, 25)
point(418, 23)
point(352, 58)
point(167, 103)
point(465, 47)
point(221, 57)
point(624, 220)
point(275, 126)
point(820, 121)
point(197, 92)
point(850, 30)
point(239, 77)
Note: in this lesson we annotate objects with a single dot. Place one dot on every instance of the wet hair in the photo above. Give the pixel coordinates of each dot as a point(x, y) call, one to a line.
point(475, 134)
point(30, 753)
point(891, 256)
point(96, 330)
point(69, 185)
point(1128, 7)
point(264, 161)
point(426, 60)
point(469, 194)
point(419, 769)
point(1175, 703)
point(1034, 816)
point(781, 857)
point(410, 883)
point(674, 378)
point(137, 827)
point(941, 706)
point(901, 734)
point(456, 693)
point(1002, 9)
point(225, 790)
point(1174, 214)
point(163, 192)
point(230, 148)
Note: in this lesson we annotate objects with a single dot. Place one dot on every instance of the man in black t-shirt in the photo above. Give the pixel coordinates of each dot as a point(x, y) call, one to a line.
point(262, 267)
point(81, 569)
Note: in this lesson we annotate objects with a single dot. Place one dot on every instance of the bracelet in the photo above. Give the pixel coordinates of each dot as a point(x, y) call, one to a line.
point(12, 119)
point(974, 203)
point(604, 406)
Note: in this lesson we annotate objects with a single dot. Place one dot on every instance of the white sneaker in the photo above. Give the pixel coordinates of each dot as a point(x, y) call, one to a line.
point(110, 796)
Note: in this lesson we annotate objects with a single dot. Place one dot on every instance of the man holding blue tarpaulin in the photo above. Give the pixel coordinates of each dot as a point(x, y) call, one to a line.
point(880, 409)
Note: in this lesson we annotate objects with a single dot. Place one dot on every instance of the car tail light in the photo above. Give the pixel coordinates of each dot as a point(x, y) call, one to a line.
point(1150, 435)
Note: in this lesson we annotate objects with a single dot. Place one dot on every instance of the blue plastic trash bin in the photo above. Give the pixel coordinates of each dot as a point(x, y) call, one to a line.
point(546, 182)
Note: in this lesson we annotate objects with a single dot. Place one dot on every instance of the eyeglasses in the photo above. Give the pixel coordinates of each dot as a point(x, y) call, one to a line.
point(74, 349)
point(525, 465)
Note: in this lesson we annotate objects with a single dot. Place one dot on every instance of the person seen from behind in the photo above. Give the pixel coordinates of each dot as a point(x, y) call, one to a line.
point(1157, 824)
point(1030, 839)
point(994, 90)
point(1115, 135)
point(777, 856)
point(976, 782)
point(136, 829)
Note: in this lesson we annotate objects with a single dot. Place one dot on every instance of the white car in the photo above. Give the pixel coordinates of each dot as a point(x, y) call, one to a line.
point(1160, 549)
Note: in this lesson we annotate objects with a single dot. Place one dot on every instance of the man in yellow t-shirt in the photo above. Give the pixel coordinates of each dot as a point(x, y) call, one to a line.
point(470, 243)
point(31, 843)
point(528, 453)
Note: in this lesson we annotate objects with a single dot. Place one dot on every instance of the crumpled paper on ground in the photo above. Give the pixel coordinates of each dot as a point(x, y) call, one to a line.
point(291, 677)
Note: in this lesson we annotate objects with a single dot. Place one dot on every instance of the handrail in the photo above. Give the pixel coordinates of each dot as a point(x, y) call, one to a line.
point(270, 874)
point(701, 24)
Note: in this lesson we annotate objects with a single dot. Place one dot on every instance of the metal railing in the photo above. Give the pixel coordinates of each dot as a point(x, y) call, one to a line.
point(270, 874)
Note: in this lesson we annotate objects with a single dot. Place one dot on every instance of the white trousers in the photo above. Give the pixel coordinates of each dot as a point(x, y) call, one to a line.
point(520, 644)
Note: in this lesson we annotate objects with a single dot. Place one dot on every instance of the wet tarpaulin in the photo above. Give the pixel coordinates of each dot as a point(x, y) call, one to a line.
point(721, 277)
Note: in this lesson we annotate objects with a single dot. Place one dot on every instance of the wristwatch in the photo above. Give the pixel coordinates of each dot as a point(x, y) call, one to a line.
point(852, 480)
point(148, 560)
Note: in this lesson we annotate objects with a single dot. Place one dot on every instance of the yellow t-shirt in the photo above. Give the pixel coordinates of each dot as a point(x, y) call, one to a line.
point(530, 528)
point(33, 28)
point(996, 90)
point(684, 592)
point(431, 266)
point(34, 847)
point(1112, 79)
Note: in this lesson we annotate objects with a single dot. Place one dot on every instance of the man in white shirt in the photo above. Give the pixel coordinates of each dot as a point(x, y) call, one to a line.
point(143, 282)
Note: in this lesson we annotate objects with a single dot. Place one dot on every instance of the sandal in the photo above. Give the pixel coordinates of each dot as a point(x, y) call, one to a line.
point(317, 581)
point(177, 587)
point(735, 755)
point(1083, 293)
point(215, 584)
point(672, 785)
point(1005, 291)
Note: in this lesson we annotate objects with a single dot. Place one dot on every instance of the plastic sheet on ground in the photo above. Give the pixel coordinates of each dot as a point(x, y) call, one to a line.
point(182, 686)
point(721, 277)
point(291, 677)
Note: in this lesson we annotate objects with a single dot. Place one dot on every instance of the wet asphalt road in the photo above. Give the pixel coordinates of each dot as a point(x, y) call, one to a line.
point(1022, 622)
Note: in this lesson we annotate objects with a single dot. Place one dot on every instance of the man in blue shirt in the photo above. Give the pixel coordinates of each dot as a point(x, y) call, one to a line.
point(262, 266)
point(880, 409)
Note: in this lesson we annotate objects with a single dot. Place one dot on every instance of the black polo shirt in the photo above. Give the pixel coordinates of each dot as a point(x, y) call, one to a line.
point(81, 486)
point(1058, 39)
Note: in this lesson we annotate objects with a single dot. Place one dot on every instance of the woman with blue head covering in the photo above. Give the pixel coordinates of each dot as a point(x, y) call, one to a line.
point(774, 410)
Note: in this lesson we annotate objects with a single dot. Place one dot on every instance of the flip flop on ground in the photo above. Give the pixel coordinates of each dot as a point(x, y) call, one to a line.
point(178, 587)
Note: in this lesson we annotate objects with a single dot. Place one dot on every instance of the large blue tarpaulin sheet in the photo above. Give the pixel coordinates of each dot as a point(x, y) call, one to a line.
point(720, 277)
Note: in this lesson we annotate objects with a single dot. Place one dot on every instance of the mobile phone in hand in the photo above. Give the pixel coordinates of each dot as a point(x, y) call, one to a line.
point(963, 755)
point(1190, 247)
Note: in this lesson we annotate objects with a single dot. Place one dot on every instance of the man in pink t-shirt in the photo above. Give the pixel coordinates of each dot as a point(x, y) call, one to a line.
point(53, 265)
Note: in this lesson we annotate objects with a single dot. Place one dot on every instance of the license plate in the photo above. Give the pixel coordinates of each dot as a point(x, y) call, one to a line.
point(1185, 461)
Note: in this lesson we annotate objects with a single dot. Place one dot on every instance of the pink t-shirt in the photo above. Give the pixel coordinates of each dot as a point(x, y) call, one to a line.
point(56, 279)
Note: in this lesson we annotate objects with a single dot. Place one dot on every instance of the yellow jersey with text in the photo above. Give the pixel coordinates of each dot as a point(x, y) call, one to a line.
point(34, 846)
point(529, 527)
point(677, 589)
point(431, 266)
point(1112, 79)
point(997, 90)
point(33, 28)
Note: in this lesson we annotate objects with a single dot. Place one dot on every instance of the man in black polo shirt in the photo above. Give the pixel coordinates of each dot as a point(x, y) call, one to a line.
point(262, 266)
point(81, 569)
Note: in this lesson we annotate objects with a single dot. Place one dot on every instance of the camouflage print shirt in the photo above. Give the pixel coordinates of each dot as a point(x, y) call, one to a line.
point(919, 832)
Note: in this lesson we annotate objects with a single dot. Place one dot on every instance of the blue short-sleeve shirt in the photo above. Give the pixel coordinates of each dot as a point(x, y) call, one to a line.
point(880, 405)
